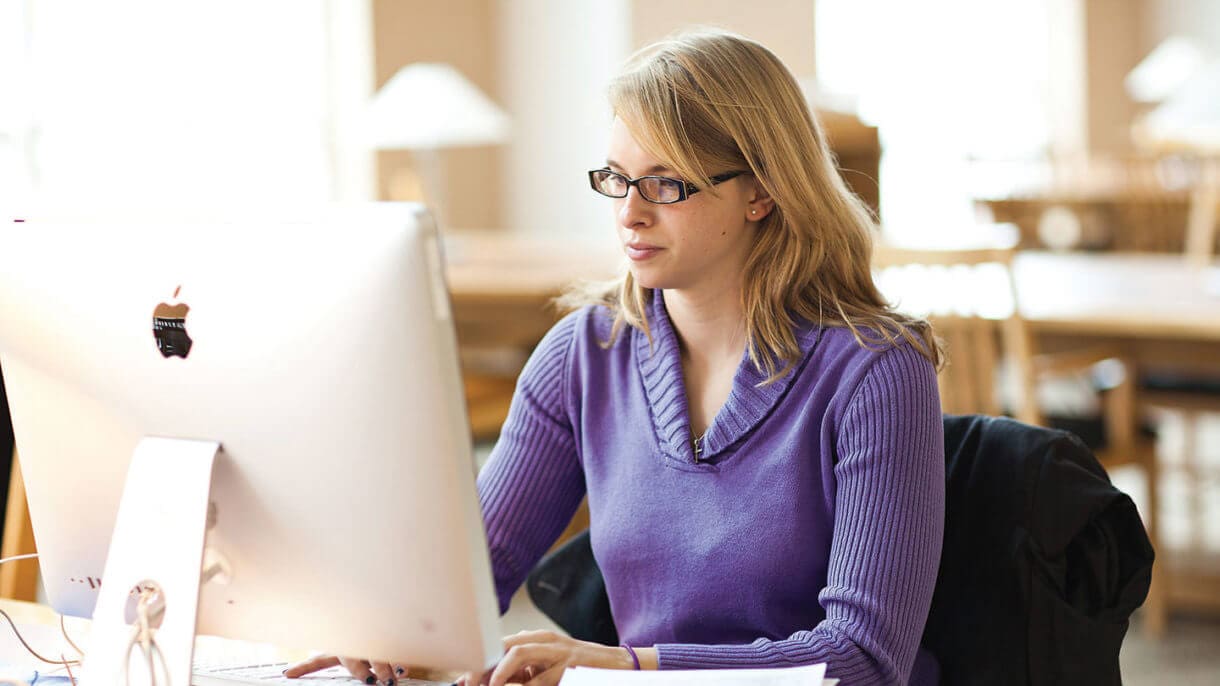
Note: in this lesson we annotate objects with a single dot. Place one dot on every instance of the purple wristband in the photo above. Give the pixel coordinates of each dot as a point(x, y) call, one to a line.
point(635, 659)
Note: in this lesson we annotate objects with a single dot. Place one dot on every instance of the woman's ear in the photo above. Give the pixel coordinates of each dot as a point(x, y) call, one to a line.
point(759, 203)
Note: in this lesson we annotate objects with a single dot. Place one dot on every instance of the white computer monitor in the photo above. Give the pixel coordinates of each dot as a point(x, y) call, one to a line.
point(321, 357)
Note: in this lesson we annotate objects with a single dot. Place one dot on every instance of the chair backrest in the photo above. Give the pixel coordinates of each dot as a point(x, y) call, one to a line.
point(1201, 225)
point(969, 297)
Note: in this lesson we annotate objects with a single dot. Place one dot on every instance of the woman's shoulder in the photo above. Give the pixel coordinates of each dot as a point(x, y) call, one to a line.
point(871, 340)
point(587, 329)
point(576, 342)
point(865, 349)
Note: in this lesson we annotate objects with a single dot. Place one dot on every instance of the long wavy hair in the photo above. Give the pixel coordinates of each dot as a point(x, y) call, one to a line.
point(708, 100)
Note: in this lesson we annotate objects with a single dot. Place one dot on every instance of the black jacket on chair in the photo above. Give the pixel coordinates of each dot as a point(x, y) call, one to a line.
point(1043, 563)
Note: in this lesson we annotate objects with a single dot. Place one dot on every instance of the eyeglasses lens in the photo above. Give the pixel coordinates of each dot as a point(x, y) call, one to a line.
point(660, 190)
point(610, 184)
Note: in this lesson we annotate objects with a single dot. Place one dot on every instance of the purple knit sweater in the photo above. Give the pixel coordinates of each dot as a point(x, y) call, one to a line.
point(808, 531)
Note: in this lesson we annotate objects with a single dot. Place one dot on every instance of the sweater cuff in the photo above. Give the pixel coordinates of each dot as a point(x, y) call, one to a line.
point(750, 655)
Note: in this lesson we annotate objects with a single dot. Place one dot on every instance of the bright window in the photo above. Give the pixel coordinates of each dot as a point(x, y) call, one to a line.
point(147, 102)
point(945, 81)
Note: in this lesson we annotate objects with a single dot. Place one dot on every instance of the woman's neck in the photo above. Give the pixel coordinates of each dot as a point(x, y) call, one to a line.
point(710, 324)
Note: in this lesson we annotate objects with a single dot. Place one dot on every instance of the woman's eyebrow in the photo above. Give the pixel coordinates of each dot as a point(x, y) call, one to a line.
point(651, 170)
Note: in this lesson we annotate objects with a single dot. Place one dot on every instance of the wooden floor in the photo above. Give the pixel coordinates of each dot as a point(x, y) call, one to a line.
point(1190, 516)
point(1189, 512)
point(1186, 656)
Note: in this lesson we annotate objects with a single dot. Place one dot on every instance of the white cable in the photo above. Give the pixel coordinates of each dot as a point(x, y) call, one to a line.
point(62, 661)
point(15, 558)
point(143, 637)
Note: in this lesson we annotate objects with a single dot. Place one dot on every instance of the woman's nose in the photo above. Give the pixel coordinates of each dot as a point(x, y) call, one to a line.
point(634, 211)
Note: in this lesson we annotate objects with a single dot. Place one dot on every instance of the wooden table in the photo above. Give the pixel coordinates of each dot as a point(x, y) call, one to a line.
point(1163, 312)
point(1149, 220)
point(503, 285)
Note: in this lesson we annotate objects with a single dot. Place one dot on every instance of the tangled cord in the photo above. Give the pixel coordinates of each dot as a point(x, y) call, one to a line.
point(148, 607)
point(63, 661)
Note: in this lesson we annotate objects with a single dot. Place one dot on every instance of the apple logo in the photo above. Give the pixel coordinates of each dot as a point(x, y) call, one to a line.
point(169, 328)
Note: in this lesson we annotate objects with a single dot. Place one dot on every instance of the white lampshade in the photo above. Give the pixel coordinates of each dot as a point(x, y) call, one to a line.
point(1165, 70)
point(1191, 115)
point(430, 106)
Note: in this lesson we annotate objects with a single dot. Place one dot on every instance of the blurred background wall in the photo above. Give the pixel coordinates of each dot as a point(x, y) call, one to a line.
point(135, 101)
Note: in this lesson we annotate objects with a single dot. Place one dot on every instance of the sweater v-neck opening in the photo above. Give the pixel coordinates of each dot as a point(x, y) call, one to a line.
point(748, 404)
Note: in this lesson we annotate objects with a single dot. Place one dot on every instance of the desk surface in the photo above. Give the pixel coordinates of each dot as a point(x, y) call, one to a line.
point(1149, 296)
point(40, 626)
point(503, 286)
point(499, 267)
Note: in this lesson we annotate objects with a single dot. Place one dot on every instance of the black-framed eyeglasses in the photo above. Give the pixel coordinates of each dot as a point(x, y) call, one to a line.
point(661, 190)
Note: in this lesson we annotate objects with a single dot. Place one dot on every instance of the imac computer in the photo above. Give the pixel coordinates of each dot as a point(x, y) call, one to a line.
point(272, 399)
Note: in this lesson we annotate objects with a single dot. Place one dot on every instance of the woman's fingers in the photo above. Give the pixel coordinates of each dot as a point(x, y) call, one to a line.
point(368, 672)
point(359, 669)
point(522, 663)
point(549, 677)
point(313, 664)
point(524, 637)
point(383, 672)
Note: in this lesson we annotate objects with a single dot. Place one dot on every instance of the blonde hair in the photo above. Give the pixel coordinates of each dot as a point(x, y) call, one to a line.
point(706, 101)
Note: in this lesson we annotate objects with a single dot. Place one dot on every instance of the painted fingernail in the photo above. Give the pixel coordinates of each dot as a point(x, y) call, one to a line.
point(371, 680)
point(389, 682)
point(400, 671)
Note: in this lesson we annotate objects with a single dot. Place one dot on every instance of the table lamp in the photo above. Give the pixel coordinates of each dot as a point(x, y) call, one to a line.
point(1190, 116)
point(1164, 70)
point(1180, 82)
point(426, 107)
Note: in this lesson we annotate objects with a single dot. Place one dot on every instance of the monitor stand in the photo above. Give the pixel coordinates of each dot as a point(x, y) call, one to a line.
point(158, 542)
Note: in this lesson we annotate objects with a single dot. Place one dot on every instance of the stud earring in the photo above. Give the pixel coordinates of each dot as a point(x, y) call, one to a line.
point(753, 211)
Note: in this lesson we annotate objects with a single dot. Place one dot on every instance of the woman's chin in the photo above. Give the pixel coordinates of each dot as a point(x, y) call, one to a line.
point(649, 278)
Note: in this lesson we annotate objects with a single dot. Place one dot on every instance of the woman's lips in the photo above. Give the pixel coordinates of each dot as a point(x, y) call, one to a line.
point(639, 252)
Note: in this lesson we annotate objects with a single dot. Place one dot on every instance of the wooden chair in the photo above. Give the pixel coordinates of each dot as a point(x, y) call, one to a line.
point(968, 385)
point(971, 299)
point(1189, 397)
point(1201, 225)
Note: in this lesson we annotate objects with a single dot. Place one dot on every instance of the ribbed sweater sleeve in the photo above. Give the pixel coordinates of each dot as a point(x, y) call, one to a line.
point(888, 527)
point(532, 483)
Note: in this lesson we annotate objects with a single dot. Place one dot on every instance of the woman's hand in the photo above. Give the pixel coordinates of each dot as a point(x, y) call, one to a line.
point(538, 658)
point(368, 672)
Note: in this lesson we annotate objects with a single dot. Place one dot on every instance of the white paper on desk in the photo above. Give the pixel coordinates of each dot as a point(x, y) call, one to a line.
point(47, 640)
point(785, 676)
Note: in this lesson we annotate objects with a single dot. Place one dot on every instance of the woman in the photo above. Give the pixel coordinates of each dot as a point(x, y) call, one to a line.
point(758, 434)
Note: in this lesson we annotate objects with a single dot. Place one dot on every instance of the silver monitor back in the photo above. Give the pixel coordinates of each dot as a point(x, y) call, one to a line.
point(321, 356)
